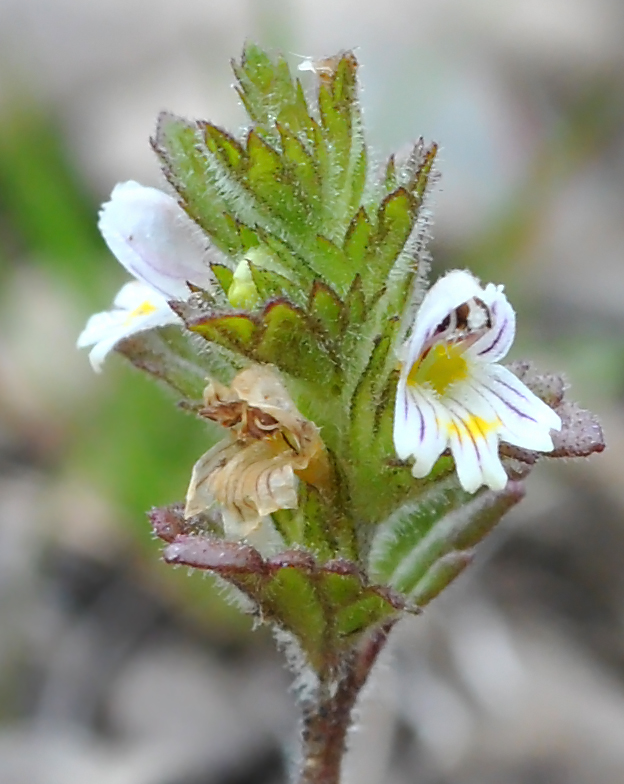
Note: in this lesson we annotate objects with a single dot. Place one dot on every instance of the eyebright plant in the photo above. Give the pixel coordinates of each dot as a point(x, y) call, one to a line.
point(370, 436)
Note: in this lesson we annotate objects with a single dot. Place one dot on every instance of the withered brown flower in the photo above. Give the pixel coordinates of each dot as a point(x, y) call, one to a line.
point(270, 446)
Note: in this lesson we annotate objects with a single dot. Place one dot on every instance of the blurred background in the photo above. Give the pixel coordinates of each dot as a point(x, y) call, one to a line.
point(117, 670)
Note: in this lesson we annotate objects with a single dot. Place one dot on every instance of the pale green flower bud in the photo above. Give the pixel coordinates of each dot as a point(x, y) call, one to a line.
point(243, 293)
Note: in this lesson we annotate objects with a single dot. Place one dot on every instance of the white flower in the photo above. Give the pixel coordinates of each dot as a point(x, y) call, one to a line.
point(156, 241)
point(452, 393)
point(137, 307)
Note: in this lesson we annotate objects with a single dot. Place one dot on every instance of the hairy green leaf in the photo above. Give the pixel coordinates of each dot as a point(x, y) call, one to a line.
point(290, 341)
point(327, 308)
point(224, 276)
point(272, 285)
point(357, 239)
point(234, 331)
point(326, 607)
point(186, 163)
point(340, 147)
point(395, 221)
point(413, 551)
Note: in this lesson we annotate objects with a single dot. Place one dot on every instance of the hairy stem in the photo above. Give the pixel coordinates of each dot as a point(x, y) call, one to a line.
point(327, 719)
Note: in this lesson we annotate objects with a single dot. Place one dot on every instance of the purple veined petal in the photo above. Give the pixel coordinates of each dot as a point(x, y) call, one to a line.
point(466, 456)
point(521, 424)
point(497, 341)
point(476, 394)
point(539, 418)
point(474, 446)
point(446, 294)
point(436, 436)
point(467, 395)
point(407, 424)
point(155, 240)
point(509, 388)
point(494, 474)
point(492, 391)
point(420, 428)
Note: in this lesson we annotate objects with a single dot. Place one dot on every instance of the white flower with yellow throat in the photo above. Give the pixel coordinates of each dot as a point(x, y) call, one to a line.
point(161, 247)
point(452, 393)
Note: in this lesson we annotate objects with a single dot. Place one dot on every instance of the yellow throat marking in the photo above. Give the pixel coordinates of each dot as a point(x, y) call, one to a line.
point(443, 366)
point(478, 428)
point(144, 309)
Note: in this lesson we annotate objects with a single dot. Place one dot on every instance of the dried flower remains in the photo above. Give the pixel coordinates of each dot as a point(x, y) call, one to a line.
point(255, 470)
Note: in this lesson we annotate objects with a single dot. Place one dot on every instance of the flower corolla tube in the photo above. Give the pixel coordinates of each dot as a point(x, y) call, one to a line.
point(160, 246)
point(452, 393)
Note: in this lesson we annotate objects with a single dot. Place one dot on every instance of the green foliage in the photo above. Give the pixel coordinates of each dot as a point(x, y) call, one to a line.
point(326, 607)
point(45, 209)
point(192, 172)
point(270, 95)
point(379, 482)
point(332, 262)
point(290, 341)
point(297, 179)
point(224, 276)
point(321, 260)
point(309, 524)
point(283, 335)
point(427, 543)
point(327, 309)
point(333, 256)
point(272, 285)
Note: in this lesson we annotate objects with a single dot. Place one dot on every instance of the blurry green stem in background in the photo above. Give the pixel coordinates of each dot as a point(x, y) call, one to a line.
point(43, 203)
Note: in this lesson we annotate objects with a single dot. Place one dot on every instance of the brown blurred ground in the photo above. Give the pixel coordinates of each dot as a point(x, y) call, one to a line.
point(114, 671)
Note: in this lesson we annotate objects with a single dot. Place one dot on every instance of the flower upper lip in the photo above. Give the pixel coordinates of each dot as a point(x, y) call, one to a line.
point(156, 241)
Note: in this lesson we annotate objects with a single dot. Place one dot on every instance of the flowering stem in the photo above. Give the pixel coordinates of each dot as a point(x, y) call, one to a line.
point(327, 719)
